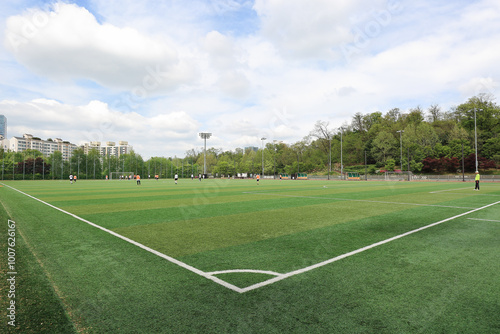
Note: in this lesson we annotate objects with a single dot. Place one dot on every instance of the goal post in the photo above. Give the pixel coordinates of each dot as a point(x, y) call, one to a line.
point(397, 176)
point(120, 175)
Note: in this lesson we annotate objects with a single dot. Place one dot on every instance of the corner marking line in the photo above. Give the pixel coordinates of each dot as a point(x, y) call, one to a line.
point(135, 243)
point(278, 277)
point(343, 256)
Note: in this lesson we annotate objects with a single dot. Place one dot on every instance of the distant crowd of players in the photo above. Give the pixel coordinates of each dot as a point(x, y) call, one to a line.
point(137, 177)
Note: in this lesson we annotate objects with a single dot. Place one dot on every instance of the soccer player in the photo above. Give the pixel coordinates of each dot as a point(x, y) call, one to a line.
point(258, 178)
point(71, 178)
point(176, 177)
point(138, 178)
point(478, 177)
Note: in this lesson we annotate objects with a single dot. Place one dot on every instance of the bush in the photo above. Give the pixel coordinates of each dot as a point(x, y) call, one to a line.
point(390, 164)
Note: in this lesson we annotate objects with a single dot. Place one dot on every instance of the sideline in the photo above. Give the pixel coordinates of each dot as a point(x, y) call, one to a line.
point(343, 256)
point(358, 200)
point(278, 276)
point(135, 243)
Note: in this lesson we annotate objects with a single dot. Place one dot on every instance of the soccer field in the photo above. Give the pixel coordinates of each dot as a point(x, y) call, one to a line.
point(234, 256)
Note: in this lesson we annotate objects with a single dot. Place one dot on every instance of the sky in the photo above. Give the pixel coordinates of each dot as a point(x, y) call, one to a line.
point(157, 73)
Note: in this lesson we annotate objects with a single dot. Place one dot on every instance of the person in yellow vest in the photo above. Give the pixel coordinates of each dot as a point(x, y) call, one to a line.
point(478, 177)
point(138, 178)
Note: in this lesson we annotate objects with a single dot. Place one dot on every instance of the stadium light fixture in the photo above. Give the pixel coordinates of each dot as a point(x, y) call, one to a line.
point(205, 136)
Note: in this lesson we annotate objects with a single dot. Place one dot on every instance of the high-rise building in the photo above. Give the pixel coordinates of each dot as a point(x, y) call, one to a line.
point(108, 149)
point(46, 147)
point(3, 126)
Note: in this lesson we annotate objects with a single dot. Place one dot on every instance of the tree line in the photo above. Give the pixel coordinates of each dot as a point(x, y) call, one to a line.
point(422, 141)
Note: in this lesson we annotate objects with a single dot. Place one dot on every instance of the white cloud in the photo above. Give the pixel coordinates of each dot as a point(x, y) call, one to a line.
point(221, 50)
point(97, 122)
point(167, 69)
point(68, 43)
point(310, 29)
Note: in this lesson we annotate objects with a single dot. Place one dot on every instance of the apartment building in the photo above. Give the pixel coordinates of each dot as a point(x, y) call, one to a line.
point(108, 148)
point(46, 147)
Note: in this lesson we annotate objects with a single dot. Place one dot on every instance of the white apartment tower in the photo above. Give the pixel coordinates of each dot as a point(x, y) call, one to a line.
point(46, 147)
point(109, 148)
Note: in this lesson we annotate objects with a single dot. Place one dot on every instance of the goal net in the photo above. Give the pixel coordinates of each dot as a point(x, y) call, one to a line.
point(120, 175)
point(397, 176)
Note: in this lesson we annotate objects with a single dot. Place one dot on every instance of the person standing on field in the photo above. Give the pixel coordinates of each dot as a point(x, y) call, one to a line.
point(176, 177)
point(138, 178)
point(71, 178)
point(478, 177)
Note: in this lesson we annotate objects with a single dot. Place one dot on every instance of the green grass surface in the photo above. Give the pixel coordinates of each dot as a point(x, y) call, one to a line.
point(73, 277)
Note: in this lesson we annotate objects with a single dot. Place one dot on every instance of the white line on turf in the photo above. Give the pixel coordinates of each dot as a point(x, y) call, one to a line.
point(343, 256)
point(485, 220)
point(253, 271)
point(358, 200)
point(135, 243)
point(440, 191)
point(474, 194)
point(279, 277)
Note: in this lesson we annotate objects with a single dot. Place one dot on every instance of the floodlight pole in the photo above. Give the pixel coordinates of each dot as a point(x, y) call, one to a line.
point(262, 139)
point(401, 143)
point(274, 145)
point(463, 164)
point(330, 156)
point(341, 158)
point(205, 136)
point(475, 135)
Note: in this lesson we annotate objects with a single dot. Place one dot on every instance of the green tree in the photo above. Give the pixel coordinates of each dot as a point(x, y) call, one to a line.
point(57, 165)
point(390, 164)
point(384, 146)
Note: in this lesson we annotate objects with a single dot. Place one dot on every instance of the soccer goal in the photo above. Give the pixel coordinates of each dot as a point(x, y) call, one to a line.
point(120, 175)
point(397, 176)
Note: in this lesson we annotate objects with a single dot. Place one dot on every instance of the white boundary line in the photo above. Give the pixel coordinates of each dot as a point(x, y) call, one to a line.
point(475, 194)
point(278, 276)
point(440, 191)
point(343, 256)
point(485, 220)
point(357, 200)
point(135, 243)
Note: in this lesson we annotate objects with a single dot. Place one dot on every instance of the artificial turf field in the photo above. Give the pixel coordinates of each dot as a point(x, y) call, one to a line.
point(231, 256)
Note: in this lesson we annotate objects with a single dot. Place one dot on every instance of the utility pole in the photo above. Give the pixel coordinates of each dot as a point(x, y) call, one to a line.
point(401, 143)
point(262, 139)
point(205, 136)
